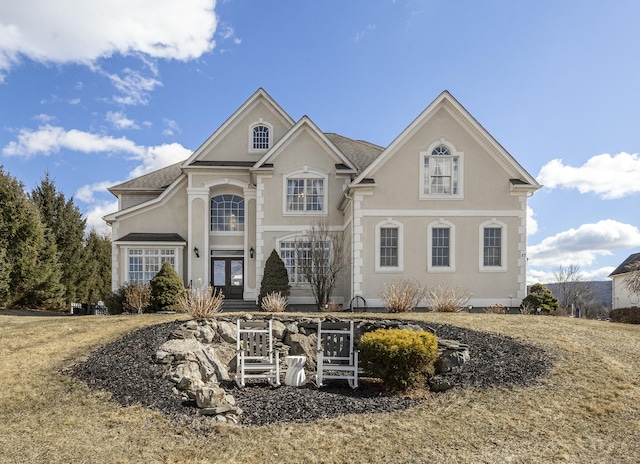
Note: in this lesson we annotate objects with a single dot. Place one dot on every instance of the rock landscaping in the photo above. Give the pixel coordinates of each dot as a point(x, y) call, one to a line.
point(184, 369)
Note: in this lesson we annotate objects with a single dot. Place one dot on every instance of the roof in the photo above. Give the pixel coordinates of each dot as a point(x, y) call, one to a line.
point(156, 180)
point(624, 267)
point(152, 237)
point(359, 152)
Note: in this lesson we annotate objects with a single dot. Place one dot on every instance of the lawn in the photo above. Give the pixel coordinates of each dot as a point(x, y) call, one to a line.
point(587, 412)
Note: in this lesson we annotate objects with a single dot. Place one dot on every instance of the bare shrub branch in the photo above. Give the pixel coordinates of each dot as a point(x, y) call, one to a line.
point(401, 296)
point(137, 297)
point(201, 302)
point(274, 302)
point(447, 299)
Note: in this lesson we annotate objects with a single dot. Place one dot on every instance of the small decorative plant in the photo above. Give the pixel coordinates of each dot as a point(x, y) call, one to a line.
point(496, 308)
point(401, 296)
point(137, 297)
point(274, 302)
point(201, 302)
point(401, 358)
point(447, 299)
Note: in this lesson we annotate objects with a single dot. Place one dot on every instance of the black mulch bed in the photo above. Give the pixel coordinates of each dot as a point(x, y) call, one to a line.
point(127, 370)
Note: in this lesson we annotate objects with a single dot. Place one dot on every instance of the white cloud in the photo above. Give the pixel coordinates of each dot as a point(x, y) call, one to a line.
point(97, 211)
point(133, 87)
point(581, 246)
point(86, 192)
point(532, 224)
point(360, 35)
point(85, 31)
point(171, 127)
point(608, 176)
point(120, 120)
point(51, 139)
point(547, 276)
point(159, 156)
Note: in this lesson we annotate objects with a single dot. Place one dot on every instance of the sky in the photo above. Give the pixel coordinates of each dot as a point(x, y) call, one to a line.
point(98, 92)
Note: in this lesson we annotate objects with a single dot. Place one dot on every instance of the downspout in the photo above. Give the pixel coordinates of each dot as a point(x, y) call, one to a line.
point(352, 284)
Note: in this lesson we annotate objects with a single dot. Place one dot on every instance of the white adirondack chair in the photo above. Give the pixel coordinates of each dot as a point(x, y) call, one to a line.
point(337, 358)
point(256, 357)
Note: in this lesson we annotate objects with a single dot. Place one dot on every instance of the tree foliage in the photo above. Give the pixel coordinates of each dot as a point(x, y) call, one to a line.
point(632, 280)
point(95, 284)
point(275, 278)
point(540, 297)
point(166, 288)
point(64, 221)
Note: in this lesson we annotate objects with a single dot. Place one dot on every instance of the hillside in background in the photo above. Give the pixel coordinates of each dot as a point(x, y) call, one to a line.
point(601, 291)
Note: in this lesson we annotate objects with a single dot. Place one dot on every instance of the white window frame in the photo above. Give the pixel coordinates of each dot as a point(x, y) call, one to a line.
point(455, 154)
point(227, 232)
point(296, 279)
point(441, 224)
point(146, 253)
point(389, 223)
point(493, 224)
point(260, 122)
point(305, 175)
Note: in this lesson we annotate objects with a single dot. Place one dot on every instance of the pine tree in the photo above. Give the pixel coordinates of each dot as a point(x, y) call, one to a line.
point(275, 278)
point(540, 297)
point(166, 287)
point(96, 268)
point(29, 259)
point(64, 219)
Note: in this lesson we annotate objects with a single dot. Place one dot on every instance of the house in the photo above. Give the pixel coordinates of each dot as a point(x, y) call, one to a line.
point(443, 203)
point(622, 298)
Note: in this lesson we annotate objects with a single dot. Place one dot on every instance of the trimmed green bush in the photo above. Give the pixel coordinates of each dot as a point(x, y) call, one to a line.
point(401, 358)
point(275, 278)
point(540, 297)
point(166, 287)
point(625, 315)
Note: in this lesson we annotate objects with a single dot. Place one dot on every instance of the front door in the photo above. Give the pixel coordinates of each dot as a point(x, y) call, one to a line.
point(228, 276)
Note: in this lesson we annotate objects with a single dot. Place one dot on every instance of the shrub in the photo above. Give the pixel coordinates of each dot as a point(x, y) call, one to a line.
point(275, 278)
point(447, 299)
point(401, 296)
point(625, 315)
point(540, 297)
point(166, 287)
point(401, 358)
point(274, 302)
point(496, 308)
point(200, 302)
point(137, 297)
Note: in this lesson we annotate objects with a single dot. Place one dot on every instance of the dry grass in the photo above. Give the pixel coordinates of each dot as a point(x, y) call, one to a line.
point(587, 413)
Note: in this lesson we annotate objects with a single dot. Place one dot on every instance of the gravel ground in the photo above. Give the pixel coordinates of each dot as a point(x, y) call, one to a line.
point(127, 370)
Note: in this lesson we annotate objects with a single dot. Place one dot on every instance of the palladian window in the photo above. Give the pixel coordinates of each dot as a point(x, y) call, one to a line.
point(227, 213)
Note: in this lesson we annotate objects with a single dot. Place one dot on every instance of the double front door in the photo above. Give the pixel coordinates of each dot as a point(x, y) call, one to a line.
point(228, 276)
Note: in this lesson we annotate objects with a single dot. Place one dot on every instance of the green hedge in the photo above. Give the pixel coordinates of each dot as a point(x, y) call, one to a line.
point(401, 358)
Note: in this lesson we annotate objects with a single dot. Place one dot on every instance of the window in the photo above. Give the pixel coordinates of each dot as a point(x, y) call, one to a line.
point(260, 137)
point(144, 263)
point(388, 247)
point(298, 257)
point(305, 195)
point(441, 236)
point(227, 213)
point(440, 172)
point(492, 246)
point(389, 254)
point(440, 246)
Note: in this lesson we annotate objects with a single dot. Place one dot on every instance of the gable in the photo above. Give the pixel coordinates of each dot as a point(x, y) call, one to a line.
point(231, 141)
point(445, 114)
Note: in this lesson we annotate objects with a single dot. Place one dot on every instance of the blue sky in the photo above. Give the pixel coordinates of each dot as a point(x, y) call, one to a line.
point(101, 91)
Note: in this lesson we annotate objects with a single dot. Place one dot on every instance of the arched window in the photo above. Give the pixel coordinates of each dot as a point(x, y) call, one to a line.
point(227, 213)
point(260, 137)
point(441, 171)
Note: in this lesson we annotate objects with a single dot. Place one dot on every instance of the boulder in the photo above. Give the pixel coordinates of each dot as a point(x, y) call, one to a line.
point(303, 345)
point(278, 329)
point(228, 331)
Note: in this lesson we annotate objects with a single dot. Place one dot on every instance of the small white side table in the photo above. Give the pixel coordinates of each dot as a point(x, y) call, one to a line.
point(295, 371)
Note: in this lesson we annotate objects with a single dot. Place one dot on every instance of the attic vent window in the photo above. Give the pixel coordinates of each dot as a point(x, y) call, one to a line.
point(260, 138)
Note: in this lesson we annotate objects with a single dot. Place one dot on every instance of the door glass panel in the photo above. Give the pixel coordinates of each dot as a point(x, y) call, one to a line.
point(219, 273)
point(237, 273)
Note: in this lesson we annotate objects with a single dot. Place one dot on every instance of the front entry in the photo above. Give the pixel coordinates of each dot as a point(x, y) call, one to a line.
point(228, 276)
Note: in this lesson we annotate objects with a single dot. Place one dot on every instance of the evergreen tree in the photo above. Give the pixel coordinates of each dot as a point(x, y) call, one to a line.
point(28, 258)
point(64, 219)
point(275, 278)
point(540, 297)
point(166, 287)
point(5, 275)
point(95, 284)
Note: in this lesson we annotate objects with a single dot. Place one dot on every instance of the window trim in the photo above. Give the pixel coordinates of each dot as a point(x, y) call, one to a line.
point(143, 248)
point(226, 232)
point(441, 224)
point(454, 154)
point(306, 174)
point(389, 223)
point(260, 122)
point(293, 239)
point(493, 224)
